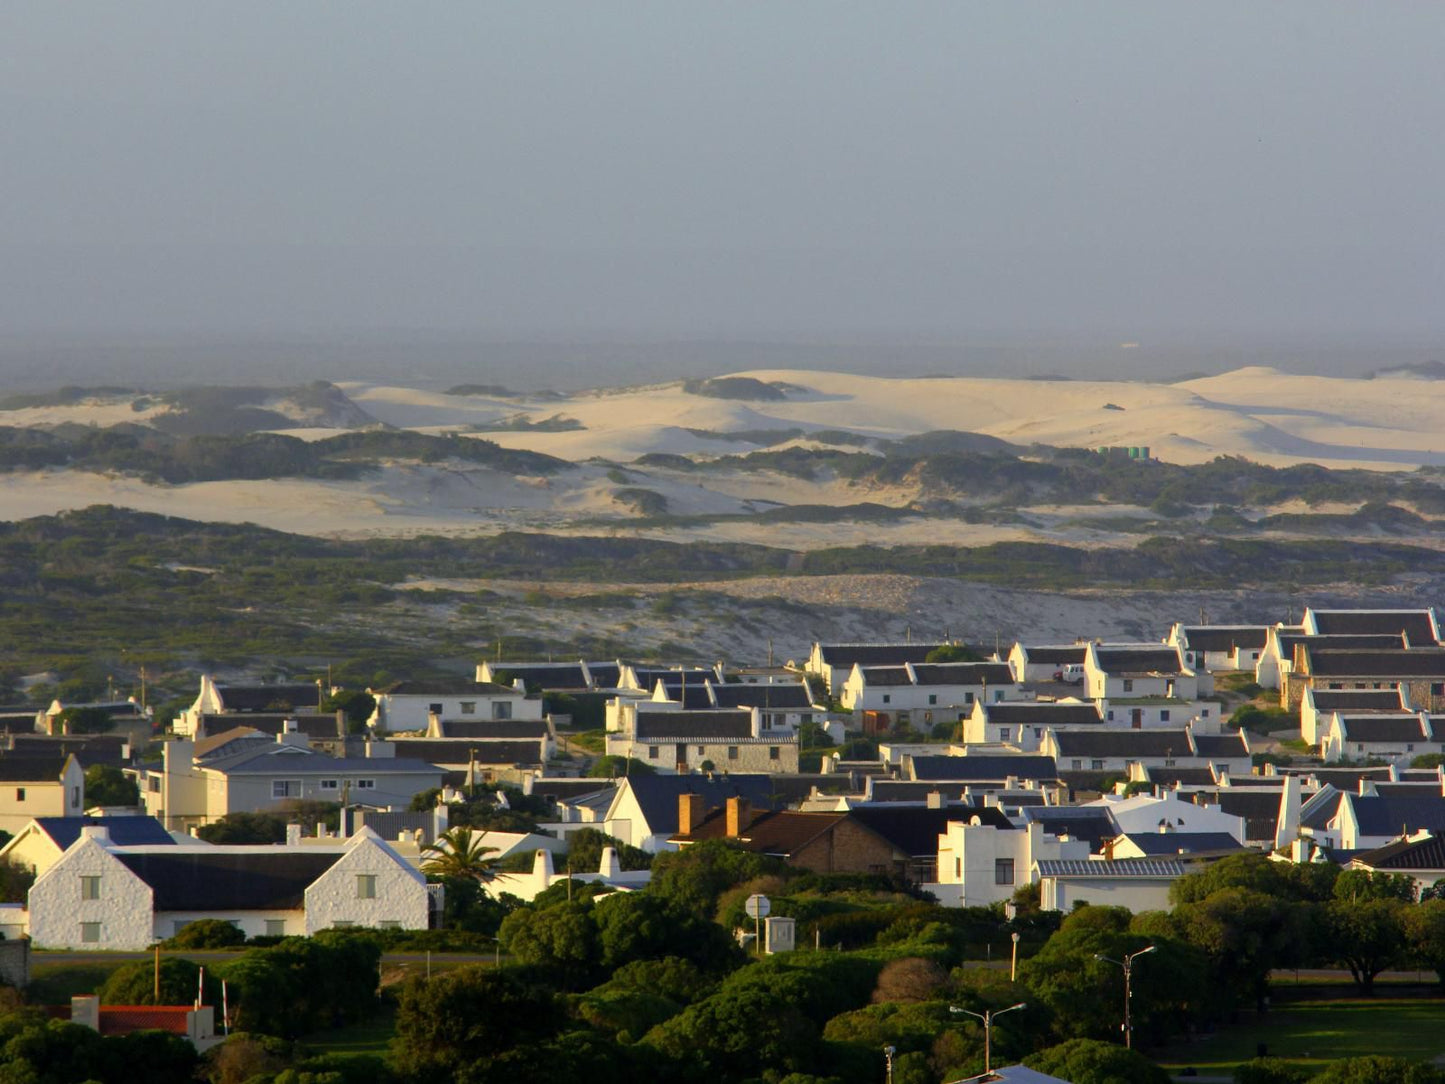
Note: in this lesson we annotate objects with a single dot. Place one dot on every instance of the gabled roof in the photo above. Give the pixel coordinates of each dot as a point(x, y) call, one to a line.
point(494, 729)
point(448, 687)
point(914, 830)
point(963, 673)
point(1344, 778)
point(1354, 701)
point(1220, 746)
point(239, 737)
point(886, 675)
point(1043, 712)
point(656, 795)
point(781, 832)
point(32, 769)
point(1092, 823)
point(432, 751)
point(124, 831)
point(223, 879)
point(1404, 662)
point(987, 768)
point(848, 655)
point(1123, 743)
point(545, 675)
point(1133, 868)
point(1259, 808)
point(1396, 815)
point(1137, 659)
point(1413, 623)
point(1058, 655)
point(605, 675)
point(268, 697)
point(88, 749)
point(1184, 777)
point(312, 724)
point(1405, 854)
point(791, 697)
point(1225, 637)
point(692, 696)
point(1382, 728)
point(1163, 844)
point(721, 724)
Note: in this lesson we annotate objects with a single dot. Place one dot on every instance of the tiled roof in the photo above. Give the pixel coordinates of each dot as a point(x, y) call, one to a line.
point(1148, 868)
point(656, 795)
point(1225, 637)
point(1123, 743)
point(845, 656)
point(1404, 854)
point(1152, 659)
point(1413, 623)
point(1042, 713)
point(782, 832)
point(124, 1019)
point(226, 880)
point(721, 724)
point(1413, 662)
point(988, 767)
point(313, 725)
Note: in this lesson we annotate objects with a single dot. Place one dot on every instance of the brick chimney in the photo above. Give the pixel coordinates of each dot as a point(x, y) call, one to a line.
point(739, 815)
point(690, 811)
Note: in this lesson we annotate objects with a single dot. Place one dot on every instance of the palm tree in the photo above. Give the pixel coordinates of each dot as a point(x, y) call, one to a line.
point(458, 853)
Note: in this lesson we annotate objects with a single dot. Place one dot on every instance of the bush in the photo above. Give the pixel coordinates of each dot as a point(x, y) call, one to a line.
point(206, 933)
point(1269, 1071)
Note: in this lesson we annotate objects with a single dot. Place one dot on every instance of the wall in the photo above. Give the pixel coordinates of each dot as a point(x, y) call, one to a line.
point(252, 923)
point(848, 848)
point(401, 894)
point(410, 711)
point(123, 909)
point(1137, 894)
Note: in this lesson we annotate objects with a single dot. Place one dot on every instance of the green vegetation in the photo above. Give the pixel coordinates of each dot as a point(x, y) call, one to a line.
point(105, 785)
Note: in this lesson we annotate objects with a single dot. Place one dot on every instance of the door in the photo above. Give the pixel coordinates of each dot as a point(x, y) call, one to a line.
point(1136, 718)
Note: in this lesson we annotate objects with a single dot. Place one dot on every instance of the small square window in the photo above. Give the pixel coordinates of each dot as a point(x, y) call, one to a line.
point(774, 753)
point(1003, 871)
point(20, 794)
point(887, 698)
point(469, 707)
point(90, 887)
point(285, 788)
point(702, 751)
point(933, 698)
point(275, 927)
point(1077, 765)
point(732, 752)
point(1128, 685)
point(330, 784)
point(501, 709)
point(366, 886)
point(366, 784)
point(1096, 765)
point(1163, 715)
point(90, 933)
point(652, 752)
point(434, 709)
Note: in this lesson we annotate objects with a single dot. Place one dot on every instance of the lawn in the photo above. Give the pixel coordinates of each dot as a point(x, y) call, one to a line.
point(370, 1038)
point(1313, 1033)
point(56, 983)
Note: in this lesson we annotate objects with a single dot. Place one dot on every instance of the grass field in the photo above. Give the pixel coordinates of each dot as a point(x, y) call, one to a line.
point(1313, 1033)
point(57, 983)
point(371, 1038)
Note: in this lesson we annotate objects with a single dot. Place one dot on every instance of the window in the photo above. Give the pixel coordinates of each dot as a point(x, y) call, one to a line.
point(90, 933)
point(652, 752)
point(968, 698)
point(702, 750)
point(389, 924)
point(154, 784)
point(767, 722)
point(1003, 871)
point(1437, 688)
point(774, 753)
point(1409, 748)
point(998, 696)
point(501, 709)
point(1128, 685)
point(1077, 765)
point(1096, 765)
point(1168, 763)
point(20, 794)
point(1164, 715)
point(366, 784)
point(366, 886)
point(732, 752)
point(887, 699)
point(1204, 713)
point(469, 707)
point(1111, 716)
point(958, 869)
point(285, 788)
point(1003, 733)
point(75, 796)
point(933, 698)
point(90, 888)
point(331, 784)
point(434, 709)
point(275, 927)
point(1336, 685)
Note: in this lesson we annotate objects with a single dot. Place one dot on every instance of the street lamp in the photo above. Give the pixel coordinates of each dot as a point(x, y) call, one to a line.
point(888, 1052)
point(987, 1017)
point(1013, 967)
point(1127, 963)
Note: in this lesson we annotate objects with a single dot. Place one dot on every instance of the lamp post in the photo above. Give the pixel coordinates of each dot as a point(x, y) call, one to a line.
point(1013, 967)
point(888, 1052)
point(987, 1017)
point(1127, 963)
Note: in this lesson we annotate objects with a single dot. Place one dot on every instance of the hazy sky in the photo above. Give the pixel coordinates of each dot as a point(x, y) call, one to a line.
point(825, 171)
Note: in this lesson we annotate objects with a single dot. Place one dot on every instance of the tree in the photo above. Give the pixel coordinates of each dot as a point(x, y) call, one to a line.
point(1361, 884)
point(1086, 1061)
point(244, 828)
point(86, 721)
point(584, 851)
point(561, 939)
point(1269, 1071)
point(356, 703)
point(1246, 934)
point(458, 854)
point(694, 877)
point(134, 984)
point(612, 767)
point(107, 785)
point(953, 653)
point(1367, 936)
point(1378, 1069)
point(1425, 934)
point(15, 881)
point(206, 933)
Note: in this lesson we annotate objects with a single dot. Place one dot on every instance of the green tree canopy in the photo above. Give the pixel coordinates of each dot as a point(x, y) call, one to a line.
point(245, 828)
point(108, 785)
point(1087, 1061)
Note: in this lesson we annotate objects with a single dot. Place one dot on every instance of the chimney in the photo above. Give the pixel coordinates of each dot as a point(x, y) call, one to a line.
point(690, 811)
point(293, 834)
point(609, 867)
point(935, 799)
point(739, 816)
point(98, 832)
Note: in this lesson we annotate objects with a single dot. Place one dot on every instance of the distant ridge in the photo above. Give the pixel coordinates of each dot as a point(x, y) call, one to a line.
point(1428, 370)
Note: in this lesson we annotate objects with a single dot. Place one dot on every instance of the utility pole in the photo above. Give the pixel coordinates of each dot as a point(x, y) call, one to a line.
point(1127, 963)
point(988, 1018)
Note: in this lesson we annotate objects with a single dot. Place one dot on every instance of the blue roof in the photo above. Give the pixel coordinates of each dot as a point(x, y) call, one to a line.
point(124, 831)
point(1396, 815)
point(984, 768)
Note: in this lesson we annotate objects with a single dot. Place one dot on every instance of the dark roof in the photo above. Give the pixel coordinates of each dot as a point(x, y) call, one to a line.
point(1163, 844)
point(464, 750)
point(692, 696)
point(793, 696)
point(1413, 623)
point(188, 880)
point(494, 729)
point(1393, 815)
point(560, 789)
point(847, 655)
point(1047, 713)
point(1123, 743)
point(1344, 778)
point(313, 725)
point(1258, 808)
point(1123, 867)
point(389, 824)
point(16, 768)
point(263, 697)
point(1059, 656)
point(778, 832)
point(914, 830)
point(16, 722)
point(657, 795)
point(1184, 777)
point(1355, 700)
point(449, 687)
point(719, 724)
point(1411, 662)
point(964, 673)
point(908, 790)
point(1138, 660)
point(1220, 746)
point(605, 675)
point(124, 831)
point(886, 675)
point(1092, 823)
point(1385, 728)
point(1405, 854)
point(1225, 637)
point(544, 675)
point(89, 749)
point(984, 768)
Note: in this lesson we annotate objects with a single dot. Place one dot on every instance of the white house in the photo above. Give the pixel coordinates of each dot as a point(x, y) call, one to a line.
point(1395, 737)
point(980, 864)
point(1317, 705)
point(102, 897)
point(42, 842)
point(1134, 671)
point(1022, 723)
point(834, 662)
point(1140, 884)
point(1041, 662)
point(527, 886)
point(914, 691)
point(1144, 813)
point(1218, 648)
point(33, 787)
point(217, 697)
point(416, 705)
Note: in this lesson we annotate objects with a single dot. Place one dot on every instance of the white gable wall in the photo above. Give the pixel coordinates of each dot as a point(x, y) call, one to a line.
point(400, 891)
point(123, 909)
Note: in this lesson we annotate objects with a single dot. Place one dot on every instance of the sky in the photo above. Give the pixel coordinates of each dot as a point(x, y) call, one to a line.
point(1056, 178)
